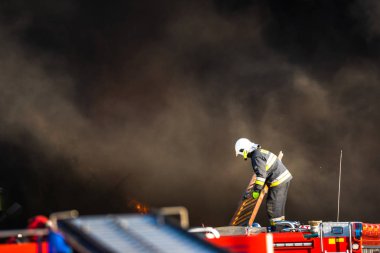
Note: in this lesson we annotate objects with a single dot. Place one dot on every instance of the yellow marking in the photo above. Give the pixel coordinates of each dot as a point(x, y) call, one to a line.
point(271, 160)
point(331, 240)
point(335, 240)
point(281, 180)
point(259, 183)
point(264, 151)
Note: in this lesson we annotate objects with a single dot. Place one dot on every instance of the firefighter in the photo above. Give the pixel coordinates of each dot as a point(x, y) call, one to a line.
point(269, 170)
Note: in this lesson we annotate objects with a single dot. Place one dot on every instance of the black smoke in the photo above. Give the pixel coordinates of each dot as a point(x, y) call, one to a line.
point(105, 102)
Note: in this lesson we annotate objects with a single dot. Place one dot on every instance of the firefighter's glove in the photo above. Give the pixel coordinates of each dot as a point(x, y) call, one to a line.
point(255, 194)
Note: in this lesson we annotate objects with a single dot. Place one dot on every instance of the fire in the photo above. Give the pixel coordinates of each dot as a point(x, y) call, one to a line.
point(138, 206)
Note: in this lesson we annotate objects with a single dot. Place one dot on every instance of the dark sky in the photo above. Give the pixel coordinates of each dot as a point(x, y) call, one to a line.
point(104, 102)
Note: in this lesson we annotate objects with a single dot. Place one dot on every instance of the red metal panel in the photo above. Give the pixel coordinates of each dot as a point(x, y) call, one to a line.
point(295, 238)
point(31, 247)
point(336, 244)
point(261, 243)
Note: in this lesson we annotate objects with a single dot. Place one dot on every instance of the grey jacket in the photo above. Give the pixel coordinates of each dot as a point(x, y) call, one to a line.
point(269, 169)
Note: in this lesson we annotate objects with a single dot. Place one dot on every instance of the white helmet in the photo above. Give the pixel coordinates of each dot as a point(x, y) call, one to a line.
point(243, 147)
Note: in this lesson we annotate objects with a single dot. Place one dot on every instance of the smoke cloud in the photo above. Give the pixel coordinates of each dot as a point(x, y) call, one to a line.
point(101, 104)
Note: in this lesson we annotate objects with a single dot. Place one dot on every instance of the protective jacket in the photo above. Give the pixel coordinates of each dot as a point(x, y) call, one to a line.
point(268, 169)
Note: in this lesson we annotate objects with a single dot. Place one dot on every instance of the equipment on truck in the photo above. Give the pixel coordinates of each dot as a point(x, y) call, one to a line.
point(317, 237)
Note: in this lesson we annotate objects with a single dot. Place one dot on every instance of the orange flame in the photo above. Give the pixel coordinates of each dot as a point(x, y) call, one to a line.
point(138, 206)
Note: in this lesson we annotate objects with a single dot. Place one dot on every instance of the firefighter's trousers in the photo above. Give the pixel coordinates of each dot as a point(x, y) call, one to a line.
point(276, 201)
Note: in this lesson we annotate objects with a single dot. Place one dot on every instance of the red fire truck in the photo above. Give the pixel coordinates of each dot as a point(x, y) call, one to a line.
point(327, 237)
point(134, 232)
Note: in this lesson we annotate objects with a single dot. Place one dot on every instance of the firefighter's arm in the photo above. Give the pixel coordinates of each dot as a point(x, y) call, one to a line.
point(258, 164)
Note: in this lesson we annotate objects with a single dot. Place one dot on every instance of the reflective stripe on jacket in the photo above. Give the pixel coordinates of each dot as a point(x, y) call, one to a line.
point(268, 169)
